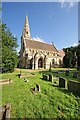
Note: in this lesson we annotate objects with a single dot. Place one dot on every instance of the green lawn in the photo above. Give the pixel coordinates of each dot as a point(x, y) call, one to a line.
point(51, 102)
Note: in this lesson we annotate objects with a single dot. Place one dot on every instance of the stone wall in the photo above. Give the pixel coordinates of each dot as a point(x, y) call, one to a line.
point(36, 54)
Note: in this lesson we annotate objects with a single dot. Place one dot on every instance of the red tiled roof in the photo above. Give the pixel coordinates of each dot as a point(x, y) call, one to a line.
point(61, 53)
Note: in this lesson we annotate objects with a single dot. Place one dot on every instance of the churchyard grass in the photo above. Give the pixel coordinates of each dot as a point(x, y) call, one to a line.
point(51, 102)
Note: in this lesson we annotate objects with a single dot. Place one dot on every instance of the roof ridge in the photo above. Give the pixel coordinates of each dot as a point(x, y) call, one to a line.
point(40, 42)
point(30, 43)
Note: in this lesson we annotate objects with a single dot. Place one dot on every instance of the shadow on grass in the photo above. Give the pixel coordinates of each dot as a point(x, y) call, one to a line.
point(44, 80)
point(44, 72)
point(65, 91)
point(54, 85)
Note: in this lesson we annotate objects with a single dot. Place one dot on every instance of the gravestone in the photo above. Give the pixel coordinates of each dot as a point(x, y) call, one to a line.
point(75, 75)
point(62, 82)
point(20, 75)
point(51, 77)
point(74, 86)
point(67, 73)
point(8, 107)
point(38, 87)
point(45, 77)
point(5, 112)
point(26, 80)
point(10, 80)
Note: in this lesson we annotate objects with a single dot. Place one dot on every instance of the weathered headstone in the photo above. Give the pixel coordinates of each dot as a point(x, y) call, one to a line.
point(75, 75)
point(74, 86)
point(67, 73)
point(2, 110)
point(45, 77)
point(51, 77)
point(10, 81)
point(5, 112)
point(20, 75)
point(62, 82)
point(26, 80)
point(38, 87)
point(8, 107)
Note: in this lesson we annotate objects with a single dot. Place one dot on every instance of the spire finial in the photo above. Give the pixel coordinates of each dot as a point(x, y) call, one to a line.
point(26, 13)
point(26, 30)
point(52, 43)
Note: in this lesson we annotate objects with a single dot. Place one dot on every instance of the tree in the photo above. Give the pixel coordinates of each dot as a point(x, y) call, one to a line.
point(69, 59)
point(78, 56)
point(72, 56)
point(9, 53)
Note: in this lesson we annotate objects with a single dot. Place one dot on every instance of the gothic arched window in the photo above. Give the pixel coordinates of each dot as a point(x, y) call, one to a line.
point(59, 61)
point(53, 61)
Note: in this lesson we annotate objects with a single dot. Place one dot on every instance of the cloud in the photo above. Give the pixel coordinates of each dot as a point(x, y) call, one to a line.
point(75, 44)
point(62, 3)
point(37, 38)
point(65, 4)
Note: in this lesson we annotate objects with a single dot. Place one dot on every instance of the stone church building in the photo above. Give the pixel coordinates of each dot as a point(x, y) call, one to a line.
point(35, 54)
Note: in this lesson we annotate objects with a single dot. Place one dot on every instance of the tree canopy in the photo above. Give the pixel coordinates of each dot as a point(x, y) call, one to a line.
point(9, 52)
point(72, 57)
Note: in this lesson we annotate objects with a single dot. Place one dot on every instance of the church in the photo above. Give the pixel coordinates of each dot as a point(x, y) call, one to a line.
point(35, 54)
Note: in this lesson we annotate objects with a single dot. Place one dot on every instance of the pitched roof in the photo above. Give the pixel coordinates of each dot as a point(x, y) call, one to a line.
point(61, 53)
point(40, 45)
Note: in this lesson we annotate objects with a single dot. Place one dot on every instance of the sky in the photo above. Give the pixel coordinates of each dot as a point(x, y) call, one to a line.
point(49, 22)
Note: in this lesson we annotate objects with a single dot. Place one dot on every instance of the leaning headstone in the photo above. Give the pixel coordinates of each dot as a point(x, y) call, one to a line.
point(38, 87)
point(51, 77)
point(67, 73)
point(62, 82)
point(75, 75)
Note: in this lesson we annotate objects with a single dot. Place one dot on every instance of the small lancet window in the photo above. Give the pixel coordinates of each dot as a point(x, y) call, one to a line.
point(27, 32)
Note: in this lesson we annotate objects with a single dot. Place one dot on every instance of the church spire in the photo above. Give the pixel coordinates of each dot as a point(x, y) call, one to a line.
point(26, 29)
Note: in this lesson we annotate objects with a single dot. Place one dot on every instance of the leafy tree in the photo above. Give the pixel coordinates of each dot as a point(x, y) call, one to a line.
point(67, 60)
point(72, 55)
point(78, 56)
point(9, 53)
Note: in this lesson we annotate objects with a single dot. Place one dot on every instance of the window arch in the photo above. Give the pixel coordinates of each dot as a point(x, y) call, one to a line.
point(53, 61)
point(59, 61)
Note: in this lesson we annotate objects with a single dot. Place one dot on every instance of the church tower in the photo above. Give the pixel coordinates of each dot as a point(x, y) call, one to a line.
point(26, 29)
point(25, 36)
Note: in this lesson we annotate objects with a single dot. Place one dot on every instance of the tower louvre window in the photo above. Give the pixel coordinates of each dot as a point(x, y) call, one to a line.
point(27, 32)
